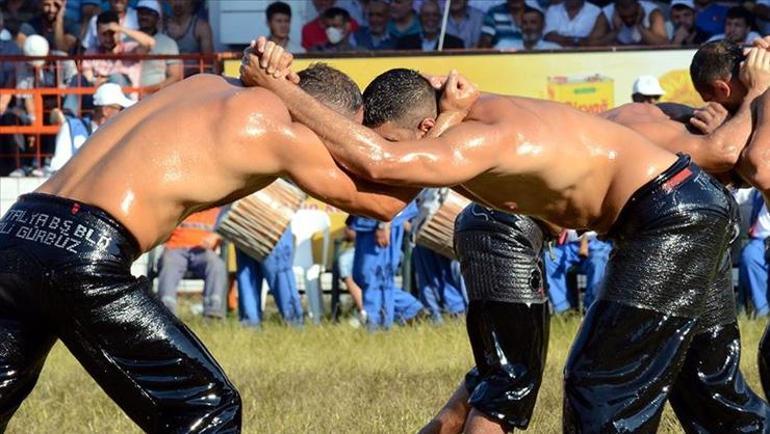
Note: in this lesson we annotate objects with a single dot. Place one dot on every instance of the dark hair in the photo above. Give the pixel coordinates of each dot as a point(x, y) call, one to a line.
point(528, 9)
point(335, 12)
point(681, 7)
point(740, 12)
point(332, 87)
point(107, 17)
point(399, 95)
point(278, 8)
point(714, 61)
point(622, 4)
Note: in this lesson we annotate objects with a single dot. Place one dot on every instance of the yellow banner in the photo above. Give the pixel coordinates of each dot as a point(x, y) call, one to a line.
point(541, 75)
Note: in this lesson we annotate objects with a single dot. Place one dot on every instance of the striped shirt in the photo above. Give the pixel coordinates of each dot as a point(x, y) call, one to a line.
point(500, 25)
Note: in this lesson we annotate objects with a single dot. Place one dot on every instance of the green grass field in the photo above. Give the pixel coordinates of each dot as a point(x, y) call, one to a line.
point(326, 379)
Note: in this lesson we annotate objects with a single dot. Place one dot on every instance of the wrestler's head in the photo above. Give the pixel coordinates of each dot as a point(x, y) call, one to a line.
point(334, 89)
point(714, 72)
point(400, 104)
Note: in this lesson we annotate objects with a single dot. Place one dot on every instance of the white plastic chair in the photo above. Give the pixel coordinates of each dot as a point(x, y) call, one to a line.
point(304, 225)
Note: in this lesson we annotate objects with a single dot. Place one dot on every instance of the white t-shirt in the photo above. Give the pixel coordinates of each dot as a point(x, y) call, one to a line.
point(557, 20)
point(630, 35)
point(130, 21)
point(749, 38)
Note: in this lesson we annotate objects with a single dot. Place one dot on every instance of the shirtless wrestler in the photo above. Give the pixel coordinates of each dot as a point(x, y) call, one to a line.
point(547, 160)
point(66, 249)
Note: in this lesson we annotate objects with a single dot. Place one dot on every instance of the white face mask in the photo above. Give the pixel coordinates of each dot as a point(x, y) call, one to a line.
point(334, 34)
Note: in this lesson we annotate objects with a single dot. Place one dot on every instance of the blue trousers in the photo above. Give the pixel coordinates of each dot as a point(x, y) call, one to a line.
point(277, 269)
point(560, 259)
point(440, 285)
point(752, 274)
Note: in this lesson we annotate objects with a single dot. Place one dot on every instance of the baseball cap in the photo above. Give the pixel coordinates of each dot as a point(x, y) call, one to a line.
point(648, 85)
point(150, 4)
point(688, 3)
point(111, 94)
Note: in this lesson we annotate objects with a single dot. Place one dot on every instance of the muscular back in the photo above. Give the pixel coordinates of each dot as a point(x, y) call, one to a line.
point(199, 143)
point(562, 165)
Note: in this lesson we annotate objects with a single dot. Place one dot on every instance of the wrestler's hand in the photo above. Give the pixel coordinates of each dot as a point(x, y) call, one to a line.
point(264, 61)
point(755, 70)
point(709, 118)
point(459, 94)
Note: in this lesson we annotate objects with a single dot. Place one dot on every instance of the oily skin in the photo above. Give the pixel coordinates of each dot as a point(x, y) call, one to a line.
point(515, 154)
point(203, 142)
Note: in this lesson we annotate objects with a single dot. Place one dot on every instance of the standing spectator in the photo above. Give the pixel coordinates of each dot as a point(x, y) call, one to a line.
point(634, 22)
point(191, 247)
point(60, 32)
point(427, 39)
point(377, 257)
point(532, 24)
point(403, 19)
point(345, 267)
point(338, 30)
point(465, 22)
point(647, 89)
point(314, 32)
point(376, 35)
point(752, 268)
point(585, 252)
point(109, 100)
point(502, 24)
point(277, 269)
point(157, 74)
point(574, 23)
point(683, 19)
point(738, 22)
point(710, 19)
point(279, 23)
point(127, 18)
point(191, 32)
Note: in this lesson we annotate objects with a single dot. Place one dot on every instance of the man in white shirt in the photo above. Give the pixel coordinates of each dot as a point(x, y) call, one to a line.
point(109, 100)
point(634, 22)
point(574, 23)
point(738, 27)
point(159, 73)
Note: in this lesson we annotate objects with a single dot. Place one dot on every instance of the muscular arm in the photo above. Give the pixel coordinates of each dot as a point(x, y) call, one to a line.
point(754, 164)
point(459, 155)
point(307, 162)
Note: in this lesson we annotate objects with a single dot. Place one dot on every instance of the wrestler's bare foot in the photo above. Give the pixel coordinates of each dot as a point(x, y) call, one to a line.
point(451, 418)
point(479, 423)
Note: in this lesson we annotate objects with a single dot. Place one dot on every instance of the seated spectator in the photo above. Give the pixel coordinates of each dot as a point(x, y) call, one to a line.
point(277, 269)
point(738, 22)
point(586, 252)
point(465, 22)
point(709, 20)
point(403, 20)
point(314, 32)
point(532, 24)
point(157, 74)
point(109, 100)
point(376, 35)
point(127, 18)
point(647, 89)
point(502, 24)
point(683, 19)
point(753, 265)
point(634, 22)
point(427, 39)
point(279, 22)
point(575, 23)
point(191, 247)
point(60, 33)
point(338, 32)
point(191, 32)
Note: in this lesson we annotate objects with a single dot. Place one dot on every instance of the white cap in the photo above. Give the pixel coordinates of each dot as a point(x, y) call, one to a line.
point(150, 4)
point(648, 85)
point(688, 3)
point(35, 45)
point(112, 94)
